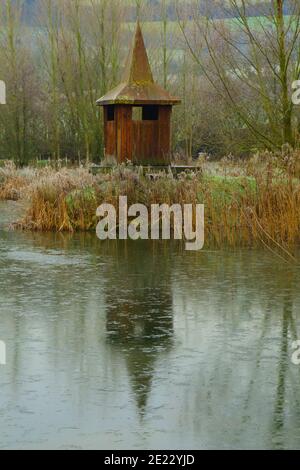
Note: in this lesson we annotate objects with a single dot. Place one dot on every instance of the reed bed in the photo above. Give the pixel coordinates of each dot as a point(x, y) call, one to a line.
point(257, 202)
point(13, 181)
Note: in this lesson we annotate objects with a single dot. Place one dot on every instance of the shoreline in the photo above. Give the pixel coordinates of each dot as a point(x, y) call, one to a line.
point(255, 205)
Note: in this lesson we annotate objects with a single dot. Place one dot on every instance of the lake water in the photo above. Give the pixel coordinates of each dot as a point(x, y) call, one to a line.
point(128, 345)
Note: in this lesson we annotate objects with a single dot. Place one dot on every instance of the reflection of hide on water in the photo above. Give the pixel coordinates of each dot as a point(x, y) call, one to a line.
point(139, 312)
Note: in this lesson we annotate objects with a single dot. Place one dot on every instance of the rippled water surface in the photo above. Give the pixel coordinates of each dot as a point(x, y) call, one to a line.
point(143, 345)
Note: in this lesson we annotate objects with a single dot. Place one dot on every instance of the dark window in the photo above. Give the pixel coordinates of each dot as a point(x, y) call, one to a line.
point(110, 113)
point(150, 113)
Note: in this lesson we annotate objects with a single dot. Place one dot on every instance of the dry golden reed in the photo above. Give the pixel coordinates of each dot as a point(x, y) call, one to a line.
point(253, 203)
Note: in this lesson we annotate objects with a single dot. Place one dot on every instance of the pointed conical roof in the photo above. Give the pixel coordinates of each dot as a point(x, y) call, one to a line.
point(138, 86)
point(137, 69)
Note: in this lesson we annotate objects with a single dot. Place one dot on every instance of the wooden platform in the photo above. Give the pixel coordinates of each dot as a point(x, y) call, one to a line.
point(150, 171)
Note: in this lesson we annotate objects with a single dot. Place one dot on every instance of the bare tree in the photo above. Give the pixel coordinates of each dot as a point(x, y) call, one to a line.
point(17, 118)
point(252, 63)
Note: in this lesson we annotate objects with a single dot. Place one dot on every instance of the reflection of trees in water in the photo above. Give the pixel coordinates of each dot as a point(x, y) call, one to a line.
point(52, 283)
point(288, 334)
point(257, 285)
point(139, 312)
point(136, 279)
point(63, 299)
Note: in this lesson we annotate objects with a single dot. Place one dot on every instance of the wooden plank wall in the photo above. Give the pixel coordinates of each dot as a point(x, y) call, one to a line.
point(109, 136)
point(165, 115)
point(143, 142)
point(124, 132)
point(151, 140)
point(110, 144)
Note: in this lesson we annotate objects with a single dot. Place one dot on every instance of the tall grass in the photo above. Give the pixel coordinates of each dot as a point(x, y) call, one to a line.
point(13, 181)
point(253, 203)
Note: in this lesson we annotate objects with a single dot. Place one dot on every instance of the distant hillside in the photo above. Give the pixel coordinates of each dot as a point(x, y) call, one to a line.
point(213, 8)
point(29, 10)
